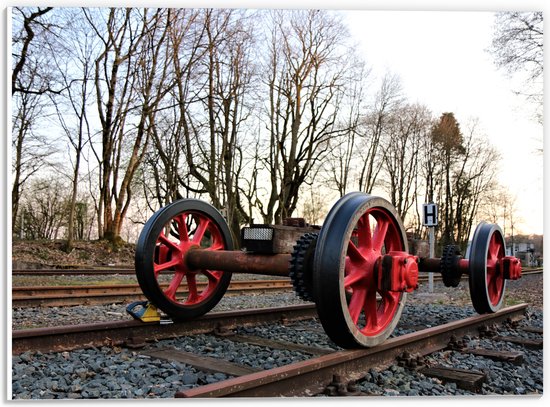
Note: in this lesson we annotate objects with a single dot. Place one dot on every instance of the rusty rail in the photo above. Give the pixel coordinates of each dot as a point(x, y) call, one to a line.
point(55, 339)
point(310, 377)
point(55, 296)
point(131, 271)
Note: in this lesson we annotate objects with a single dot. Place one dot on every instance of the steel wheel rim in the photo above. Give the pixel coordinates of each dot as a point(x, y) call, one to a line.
point(160, 251)
point(329, 272)
point(486, 279)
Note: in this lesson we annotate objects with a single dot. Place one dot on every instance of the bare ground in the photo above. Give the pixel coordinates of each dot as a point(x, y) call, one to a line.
point(50, 254)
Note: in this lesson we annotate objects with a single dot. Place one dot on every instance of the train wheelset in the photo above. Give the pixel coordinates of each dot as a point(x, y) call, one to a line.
point(356, 267)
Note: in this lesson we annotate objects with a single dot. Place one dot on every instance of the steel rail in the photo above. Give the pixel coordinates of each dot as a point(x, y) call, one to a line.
point(55, 339)
point(72, 272)
point(56, 296)
point(31, 296)
point(131, 271)
point(310, 377)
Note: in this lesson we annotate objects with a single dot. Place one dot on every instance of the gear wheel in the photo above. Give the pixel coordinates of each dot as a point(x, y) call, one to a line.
point(449, 266)
point(301, 263)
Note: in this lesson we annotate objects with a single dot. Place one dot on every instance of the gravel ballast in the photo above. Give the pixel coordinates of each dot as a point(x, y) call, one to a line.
point(113, 373)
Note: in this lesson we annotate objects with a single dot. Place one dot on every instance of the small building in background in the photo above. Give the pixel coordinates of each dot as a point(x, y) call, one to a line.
point(525, 252)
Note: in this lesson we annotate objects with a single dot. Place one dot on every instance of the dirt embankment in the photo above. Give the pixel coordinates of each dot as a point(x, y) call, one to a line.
point(50, 254)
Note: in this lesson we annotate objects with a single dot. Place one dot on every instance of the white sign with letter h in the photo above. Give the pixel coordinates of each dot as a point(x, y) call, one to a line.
point(430, 214)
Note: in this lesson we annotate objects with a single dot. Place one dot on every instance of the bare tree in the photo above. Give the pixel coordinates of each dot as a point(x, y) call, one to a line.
point(31, 78)
point(313, 205)
point(401, 148)
point(31, 72)
point(44, 209)
point(129, 85)
point(166, 160)
point(517, 47)
point(75, 65)
point(375, 124)
point(473, 177)
point(447, 139)
point(229, 73)
point(31, 151)
point(303, 76)
point(518, 42)
point(339, 165)
point(213, 68)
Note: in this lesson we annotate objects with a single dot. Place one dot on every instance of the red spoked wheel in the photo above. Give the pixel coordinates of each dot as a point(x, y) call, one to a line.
point(486, 274)
point(162, 273)
point(358, 231)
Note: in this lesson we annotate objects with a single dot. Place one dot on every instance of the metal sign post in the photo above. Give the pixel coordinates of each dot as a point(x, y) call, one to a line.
point(430, 220)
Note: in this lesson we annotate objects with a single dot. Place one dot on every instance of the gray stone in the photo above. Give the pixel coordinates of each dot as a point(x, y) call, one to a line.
point(189, 378)
point(91, 394)
point(173, 378)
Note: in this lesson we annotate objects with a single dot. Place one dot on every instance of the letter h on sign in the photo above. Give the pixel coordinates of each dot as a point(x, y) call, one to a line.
point(430, 214)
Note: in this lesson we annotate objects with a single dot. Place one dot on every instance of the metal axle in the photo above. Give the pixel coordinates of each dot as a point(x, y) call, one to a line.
point(278, 264)
point(238, 262)
point(433, 265)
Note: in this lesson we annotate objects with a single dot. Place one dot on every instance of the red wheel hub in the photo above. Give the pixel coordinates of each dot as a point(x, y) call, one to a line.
point(511, 267)
point(398, 272)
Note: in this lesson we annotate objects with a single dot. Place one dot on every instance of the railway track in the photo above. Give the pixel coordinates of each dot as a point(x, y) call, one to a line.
point(313, 376)
point(74, 272)
point(56, 296)
point(132, 332)
point(327, 371)
point(124, 271)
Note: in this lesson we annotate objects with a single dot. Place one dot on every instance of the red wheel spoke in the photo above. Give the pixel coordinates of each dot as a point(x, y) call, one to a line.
point(389, 301)
point(183, 233)
point(365, 238)
point(170, 292)
point(166, 266)
point(494, 279)
point(216, 246)
point(490, 279)
point(354, 253)
point(212, 276)
point(371, 310)
point(494, 290)
point(494, 248)
point(170, 243)
point(201, 230)
point(357, 303)
point(494, 285)
point(192, 287)
point(352, 278)
point(380, 234)
point(491, 286)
